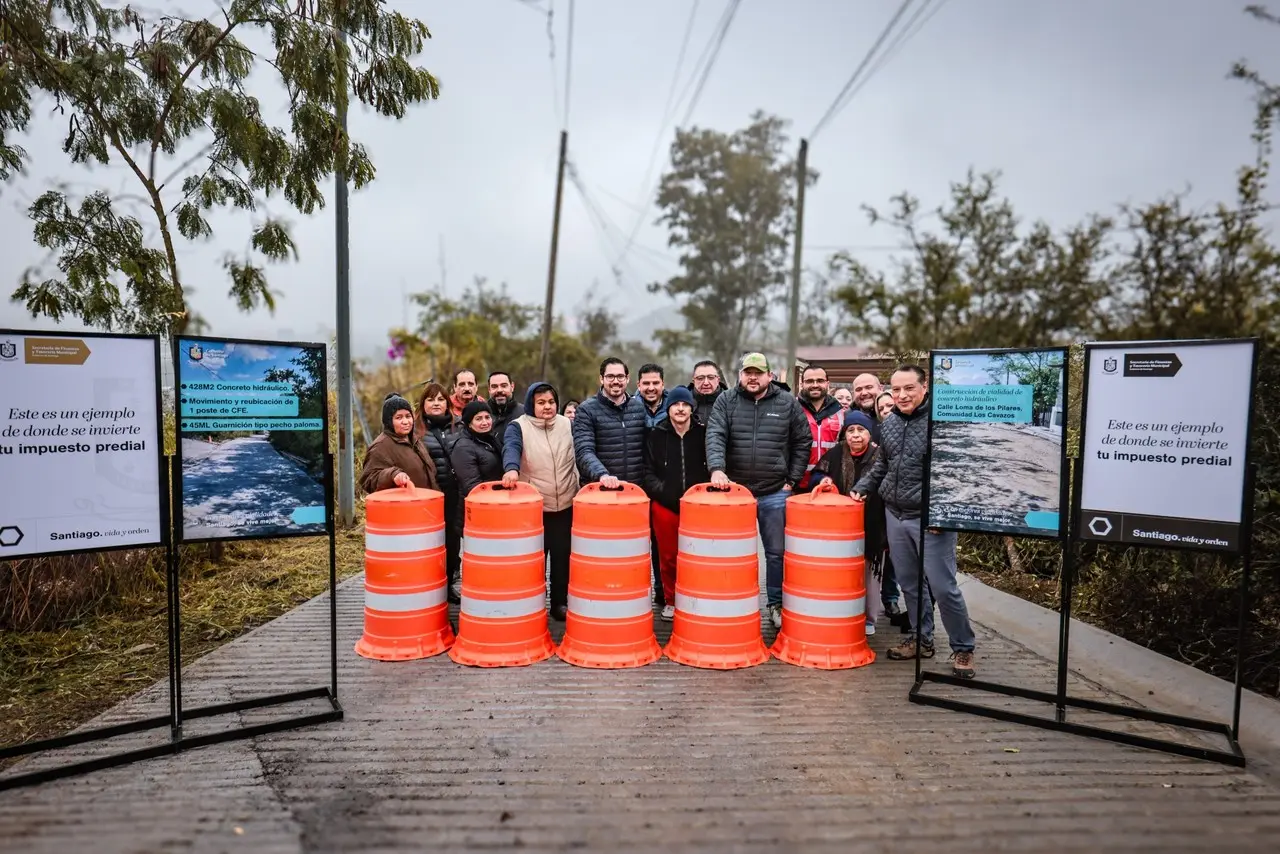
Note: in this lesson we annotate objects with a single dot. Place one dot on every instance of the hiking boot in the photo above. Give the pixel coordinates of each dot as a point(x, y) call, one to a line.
point(775, 616)
point(962, 665)
point(906, 651)
point(668, 613)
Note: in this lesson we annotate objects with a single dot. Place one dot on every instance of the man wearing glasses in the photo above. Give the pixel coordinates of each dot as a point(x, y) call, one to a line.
point(608, 431)
point(706, 387)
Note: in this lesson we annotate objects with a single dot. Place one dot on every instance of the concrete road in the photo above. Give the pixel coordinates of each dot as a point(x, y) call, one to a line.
point(246, 485)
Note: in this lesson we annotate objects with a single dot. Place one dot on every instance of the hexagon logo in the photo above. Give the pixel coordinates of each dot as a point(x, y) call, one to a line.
point(1100, 526)
point(10, 535)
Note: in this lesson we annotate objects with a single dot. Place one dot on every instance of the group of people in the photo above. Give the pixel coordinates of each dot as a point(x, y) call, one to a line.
point(866, 441)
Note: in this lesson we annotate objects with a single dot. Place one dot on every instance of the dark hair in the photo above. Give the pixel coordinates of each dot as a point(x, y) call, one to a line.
point(808, 368)
point(568, 403)
point(649, 368)
point(460, 372)
point(704, 363)
point(493, 374)
point(431, 390)
point(913, 369)
point(614, 360)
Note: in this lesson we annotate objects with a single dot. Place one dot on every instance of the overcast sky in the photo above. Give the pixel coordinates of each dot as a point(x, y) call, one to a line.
point(1082, 104)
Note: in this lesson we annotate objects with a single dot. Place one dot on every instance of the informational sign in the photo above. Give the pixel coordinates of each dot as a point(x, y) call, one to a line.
point(252, 434)
point(80, 446)
point(1165, 440)
point(995, 450)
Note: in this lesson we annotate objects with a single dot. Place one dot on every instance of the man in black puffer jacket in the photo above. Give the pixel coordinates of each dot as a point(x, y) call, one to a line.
point(758, 437)
point(898, 474)
point(608, 430)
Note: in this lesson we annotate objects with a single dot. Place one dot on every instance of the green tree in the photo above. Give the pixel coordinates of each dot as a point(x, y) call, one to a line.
point(169, 97)
point(1042, 371)
point(728, 202)
point(980, 280)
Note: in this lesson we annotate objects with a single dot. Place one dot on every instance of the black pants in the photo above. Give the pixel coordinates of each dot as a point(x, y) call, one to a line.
point(452, 538)
point(557, 533)
point(659, 595)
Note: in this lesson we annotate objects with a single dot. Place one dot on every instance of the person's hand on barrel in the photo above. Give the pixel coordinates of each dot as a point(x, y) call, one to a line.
point(609, 482)
point(858, 496)
point(402, 480)
point(719, 478)
point(510, 479)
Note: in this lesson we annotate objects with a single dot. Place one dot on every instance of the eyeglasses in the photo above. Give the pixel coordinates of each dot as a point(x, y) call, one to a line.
point(705, 378)
point(614, 376)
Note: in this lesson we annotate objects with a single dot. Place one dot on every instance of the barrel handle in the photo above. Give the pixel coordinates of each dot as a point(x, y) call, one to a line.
point(498, 486)
point(622, 487)
point(824, 488)
point(731, 488)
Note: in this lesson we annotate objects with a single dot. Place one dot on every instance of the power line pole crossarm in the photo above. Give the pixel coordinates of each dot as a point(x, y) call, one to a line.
point(548, 309)
point(793, 314)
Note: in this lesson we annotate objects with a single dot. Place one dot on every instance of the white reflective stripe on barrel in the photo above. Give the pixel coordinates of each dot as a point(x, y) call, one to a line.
point(502, 547)
point(702, 606)
point(494, 608)
point(719, 546)
point(592, 547)
point(829, 608)
point(810, 547)
point(403, 542)
point(400, 602)
point(610, 609)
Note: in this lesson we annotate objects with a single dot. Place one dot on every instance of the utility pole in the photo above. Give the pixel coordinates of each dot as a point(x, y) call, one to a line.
point(547, 311)
point(793, 315)
point(342, 253)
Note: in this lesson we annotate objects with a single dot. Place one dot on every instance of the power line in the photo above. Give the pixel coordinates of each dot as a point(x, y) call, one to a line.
point(706, 61)
point(730, 12)
point(905, 35)
point(836, 105)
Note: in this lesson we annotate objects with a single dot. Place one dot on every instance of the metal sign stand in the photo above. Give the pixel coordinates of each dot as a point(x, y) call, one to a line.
point(1061, 699)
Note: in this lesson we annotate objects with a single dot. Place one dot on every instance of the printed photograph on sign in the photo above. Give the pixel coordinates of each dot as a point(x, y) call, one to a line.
point(996, 441)
point(80, 443)
point(252, 438)
point(1165, 441)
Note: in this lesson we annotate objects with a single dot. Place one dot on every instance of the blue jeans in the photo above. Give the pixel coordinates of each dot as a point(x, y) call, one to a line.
point(939, 571)
point(771, 516)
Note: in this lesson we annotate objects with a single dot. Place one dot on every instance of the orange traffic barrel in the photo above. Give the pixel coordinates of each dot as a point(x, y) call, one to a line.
point(406, 615)
point(717, 621)
point(824, 583)
point(502, 621)
point(610, 620)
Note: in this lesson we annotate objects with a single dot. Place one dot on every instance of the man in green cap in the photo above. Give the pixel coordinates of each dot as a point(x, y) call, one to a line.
point(758, 436)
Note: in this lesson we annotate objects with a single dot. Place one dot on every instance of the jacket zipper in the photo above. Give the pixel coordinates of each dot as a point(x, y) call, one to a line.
point(551, 451)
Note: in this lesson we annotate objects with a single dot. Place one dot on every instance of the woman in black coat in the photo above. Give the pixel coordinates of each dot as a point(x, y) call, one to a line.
point(476, 455)
point(842, 466)
point(437, 429)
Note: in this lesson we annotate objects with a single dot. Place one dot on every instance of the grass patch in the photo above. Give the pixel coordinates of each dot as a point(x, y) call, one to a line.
point(56, 679)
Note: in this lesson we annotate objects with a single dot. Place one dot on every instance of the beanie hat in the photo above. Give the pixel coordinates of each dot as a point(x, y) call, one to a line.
point(472, 409)
point(857, 416)
point(392, 404)
point(679, 394)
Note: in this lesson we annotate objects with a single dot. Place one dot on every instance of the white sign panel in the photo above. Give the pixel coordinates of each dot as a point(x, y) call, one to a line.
point(80, 443)
point(1165, 441)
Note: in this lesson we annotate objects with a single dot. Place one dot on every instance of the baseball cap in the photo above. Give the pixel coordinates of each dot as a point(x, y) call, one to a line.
point(756, 361)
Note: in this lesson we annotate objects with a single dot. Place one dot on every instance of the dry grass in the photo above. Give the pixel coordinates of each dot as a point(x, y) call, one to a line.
point(55, 679)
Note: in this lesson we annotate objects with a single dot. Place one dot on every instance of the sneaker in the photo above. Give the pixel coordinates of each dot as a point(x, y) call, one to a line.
point(871, 629)
point(775, 616)
point(962, 665)
point(668, 612)
point(906, 651)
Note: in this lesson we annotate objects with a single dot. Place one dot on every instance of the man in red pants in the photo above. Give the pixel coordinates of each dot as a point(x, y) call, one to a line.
point(675, 458)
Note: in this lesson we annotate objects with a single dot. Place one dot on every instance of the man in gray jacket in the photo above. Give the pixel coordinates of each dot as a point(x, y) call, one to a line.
point(898, 473)
point(758, 436)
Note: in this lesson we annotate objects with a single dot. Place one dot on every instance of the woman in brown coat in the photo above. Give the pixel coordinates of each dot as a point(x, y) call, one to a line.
point(394, 458)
